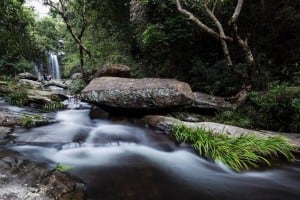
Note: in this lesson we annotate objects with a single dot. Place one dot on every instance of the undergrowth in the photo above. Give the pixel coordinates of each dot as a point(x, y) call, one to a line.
point(240, 153)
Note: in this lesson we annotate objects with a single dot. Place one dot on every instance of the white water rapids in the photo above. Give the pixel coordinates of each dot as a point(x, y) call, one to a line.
point(119, 160)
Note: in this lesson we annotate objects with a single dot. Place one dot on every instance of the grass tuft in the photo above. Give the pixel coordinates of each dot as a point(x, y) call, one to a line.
point(240, 153)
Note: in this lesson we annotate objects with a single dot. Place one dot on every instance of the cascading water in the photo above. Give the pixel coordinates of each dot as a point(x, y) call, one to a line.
point(53, 66)
point(121, 161)
point(37, 71)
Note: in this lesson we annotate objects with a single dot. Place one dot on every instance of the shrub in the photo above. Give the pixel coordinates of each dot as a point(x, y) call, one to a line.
point(277, 108)
point(244, 152)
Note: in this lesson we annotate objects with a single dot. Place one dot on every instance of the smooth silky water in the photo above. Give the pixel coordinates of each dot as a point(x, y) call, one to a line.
point(121, 161)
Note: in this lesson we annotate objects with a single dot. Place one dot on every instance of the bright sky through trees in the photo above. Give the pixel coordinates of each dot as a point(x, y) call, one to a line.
point(40, 9)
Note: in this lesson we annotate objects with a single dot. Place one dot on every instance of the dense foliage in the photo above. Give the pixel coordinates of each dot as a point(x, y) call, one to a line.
point(16, 39)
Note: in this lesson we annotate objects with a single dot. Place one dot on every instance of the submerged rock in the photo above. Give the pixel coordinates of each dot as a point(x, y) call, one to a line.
point(146, 93)
point(23, 179)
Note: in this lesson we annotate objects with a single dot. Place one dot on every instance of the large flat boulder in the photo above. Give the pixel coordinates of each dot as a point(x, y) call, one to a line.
point(146, 93)
point(164, 124)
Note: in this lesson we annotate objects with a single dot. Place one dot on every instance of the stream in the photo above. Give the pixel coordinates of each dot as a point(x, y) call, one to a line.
point(123, 161)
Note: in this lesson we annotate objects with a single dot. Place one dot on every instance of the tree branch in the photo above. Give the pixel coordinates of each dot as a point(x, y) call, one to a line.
point(62, 12)
point(199, 23)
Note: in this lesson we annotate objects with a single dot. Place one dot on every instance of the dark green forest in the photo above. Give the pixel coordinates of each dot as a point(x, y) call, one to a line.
point(155, 39)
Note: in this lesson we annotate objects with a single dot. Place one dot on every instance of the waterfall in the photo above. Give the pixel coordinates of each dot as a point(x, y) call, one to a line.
point(37, 71)
point(53, 67)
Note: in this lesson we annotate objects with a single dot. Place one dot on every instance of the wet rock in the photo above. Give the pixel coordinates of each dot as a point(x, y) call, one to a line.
point(147, 93)
point(165, 124)
point(208, 102)
point(23, 179)
point(97, 113)
point(115, 70)
point(187, 117)
point(11, 119)
point(4, 131)
point(4, 89)
point(30, 84)
point(56, 83)
point(28, 76)
point(76, 76)
point(55, 89)
point(42, 97)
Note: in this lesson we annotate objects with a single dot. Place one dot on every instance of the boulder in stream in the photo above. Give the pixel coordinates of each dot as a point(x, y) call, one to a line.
point(146, 93)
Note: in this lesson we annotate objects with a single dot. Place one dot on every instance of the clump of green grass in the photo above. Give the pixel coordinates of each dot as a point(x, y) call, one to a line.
point(18, 98)
point(29, 121)
point(63, 168)
point(240, 153)
point(53, 106)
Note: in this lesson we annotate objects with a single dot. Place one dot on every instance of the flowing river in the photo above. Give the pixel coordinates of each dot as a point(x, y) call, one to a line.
point(123, 161)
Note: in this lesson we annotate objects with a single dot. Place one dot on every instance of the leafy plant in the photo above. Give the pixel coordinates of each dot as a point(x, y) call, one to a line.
point(244, 152)
point(18, 98)
point(279, 105)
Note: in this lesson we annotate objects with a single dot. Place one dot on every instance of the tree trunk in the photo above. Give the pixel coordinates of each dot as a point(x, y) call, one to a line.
point(81, 61)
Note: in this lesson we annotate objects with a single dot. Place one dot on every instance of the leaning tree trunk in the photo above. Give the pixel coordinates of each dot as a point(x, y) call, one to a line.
point(224, 39)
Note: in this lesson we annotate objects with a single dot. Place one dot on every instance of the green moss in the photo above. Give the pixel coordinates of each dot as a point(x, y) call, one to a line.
point(240, 153)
